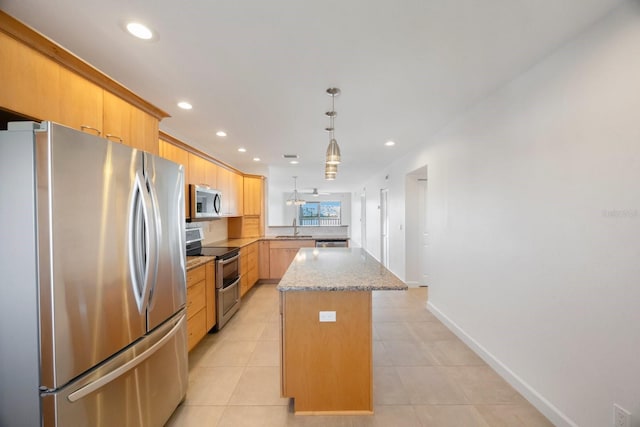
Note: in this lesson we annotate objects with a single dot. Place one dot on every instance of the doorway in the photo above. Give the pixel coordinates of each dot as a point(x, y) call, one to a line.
point(363, 219)
point(384, 227)
point(416, 230)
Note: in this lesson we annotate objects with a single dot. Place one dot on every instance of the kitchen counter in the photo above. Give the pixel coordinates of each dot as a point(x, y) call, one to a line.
point(326, 333)
point(233, 242)
point(338, 269)
point(247, 241)
point(197, 261)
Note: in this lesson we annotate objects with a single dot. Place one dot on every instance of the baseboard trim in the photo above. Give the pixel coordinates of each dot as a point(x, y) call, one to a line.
point(557, 417)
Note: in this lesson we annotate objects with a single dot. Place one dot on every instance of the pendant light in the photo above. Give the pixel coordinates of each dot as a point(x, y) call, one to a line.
point(333, 150)
point(294, 200)
point(330, 172)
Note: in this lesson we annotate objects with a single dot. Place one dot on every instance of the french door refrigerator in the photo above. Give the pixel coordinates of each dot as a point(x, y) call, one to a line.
point(92, 272)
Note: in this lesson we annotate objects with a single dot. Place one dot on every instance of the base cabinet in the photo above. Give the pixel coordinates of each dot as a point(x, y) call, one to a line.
point(248, 267)
point(282, 252)
point(201, 303)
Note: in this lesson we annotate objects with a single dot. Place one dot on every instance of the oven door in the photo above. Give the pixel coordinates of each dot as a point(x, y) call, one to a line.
point(228, 271)
point(228, 302)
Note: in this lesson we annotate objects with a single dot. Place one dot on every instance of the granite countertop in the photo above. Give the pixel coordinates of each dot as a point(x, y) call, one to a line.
point(306, 237)
point(232, 242)
point(197, 261)
point(338, 269)
point(247, 241)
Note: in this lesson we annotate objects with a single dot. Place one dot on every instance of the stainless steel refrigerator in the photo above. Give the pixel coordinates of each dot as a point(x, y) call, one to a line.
point(92, 281)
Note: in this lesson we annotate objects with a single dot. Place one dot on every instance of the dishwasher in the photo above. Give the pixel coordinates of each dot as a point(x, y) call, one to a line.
point(343, 243)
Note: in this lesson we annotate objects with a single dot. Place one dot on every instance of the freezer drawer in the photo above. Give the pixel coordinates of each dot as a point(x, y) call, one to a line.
point(140, 387)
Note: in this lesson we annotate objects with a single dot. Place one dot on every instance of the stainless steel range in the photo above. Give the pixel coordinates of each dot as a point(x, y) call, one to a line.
point(227, 261)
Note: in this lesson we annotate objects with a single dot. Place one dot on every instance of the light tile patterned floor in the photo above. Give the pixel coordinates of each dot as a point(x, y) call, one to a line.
point(423, 374)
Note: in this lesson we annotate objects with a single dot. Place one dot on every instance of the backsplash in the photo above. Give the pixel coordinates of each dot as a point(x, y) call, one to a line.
point(214, 230)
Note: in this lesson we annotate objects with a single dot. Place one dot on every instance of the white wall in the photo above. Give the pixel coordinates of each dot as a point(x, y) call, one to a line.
point(534, 215)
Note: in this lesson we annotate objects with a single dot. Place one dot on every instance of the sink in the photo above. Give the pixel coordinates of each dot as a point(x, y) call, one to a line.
point(289, 236)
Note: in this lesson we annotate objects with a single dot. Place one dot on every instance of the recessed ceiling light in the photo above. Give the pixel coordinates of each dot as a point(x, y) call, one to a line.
point(256, 159)
point(294, 162)
point(389, 143)
point(221, 133)
point(185, 105)
point(139, 30)
point(242, 150)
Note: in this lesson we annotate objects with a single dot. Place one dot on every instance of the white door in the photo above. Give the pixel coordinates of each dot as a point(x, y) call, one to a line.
point(424, 232)
point(363, 220)
point(384, 228)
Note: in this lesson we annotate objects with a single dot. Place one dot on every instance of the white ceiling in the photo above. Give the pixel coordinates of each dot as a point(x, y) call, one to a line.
point(259, 69)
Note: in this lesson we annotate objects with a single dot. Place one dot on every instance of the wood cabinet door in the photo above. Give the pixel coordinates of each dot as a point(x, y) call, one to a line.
point(197, 166)
point(263, 259)
point(237, 191)
point(252, 195)
point(29, 81)
point(282, 252)
point(224, 177)
point(116, 118)
point(181, 156)
point(122, 122)
point(211, 174)
point(143, 131)
point(210, 277)
point(80, 103)
point(279, 261)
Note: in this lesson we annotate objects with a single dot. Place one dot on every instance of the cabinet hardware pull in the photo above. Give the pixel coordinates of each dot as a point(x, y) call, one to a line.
point(85, 127)
point(114, 137)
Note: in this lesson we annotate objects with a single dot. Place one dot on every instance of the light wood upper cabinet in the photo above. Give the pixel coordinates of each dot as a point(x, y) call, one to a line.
point(42, 80)
point(81, 103)
point(197, 168)
point(253, 195)
point(144, 131)
point(181, 156)
point(224, 177)
point(122, 122)
point(231, 185)
point(28, 81)
point(236, 206)
point(116, 119)
point(211, 174)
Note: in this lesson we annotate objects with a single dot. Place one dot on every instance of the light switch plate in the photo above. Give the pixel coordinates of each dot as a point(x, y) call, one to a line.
point(327, 316)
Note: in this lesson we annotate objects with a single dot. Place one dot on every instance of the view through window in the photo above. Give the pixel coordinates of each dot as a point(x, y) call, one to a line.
point(320, 213)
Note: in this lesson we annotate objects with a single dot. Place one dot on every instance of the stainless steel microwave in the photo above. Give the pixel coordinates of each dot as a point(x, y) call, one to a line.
point(205, 202)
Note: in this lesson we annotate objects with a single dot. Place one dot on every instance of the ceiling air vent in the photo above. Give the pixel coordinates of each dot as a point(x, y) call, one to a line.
point(290, 156)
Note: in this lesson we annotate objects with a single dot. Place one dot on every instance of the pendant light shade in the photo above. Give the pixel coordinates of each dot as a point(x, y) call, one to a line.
point(333, 153)
point(330, 172)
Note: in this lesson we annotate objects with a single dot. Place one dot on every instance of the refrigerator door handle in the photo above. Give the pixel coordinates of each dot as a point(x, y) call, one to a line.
point(118, 372)
point(142, 242)
point(154, 230)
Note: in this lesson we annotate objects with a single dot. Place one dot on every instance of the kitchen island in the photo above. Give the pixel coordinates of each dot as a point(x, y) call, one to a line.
point(325, 333)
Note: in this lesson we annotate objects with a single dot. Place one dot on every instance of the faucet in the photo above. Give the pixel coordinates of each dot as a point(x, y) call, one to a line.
point(295, 228)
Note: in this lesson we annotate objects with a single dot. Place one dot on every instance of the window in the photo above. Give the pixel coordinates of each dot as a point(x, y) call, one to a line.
point(320, 213)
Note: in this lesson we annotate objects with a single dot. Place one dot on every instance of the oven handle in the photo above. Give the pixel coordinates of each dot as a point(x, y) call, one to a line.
point(224, 288)
point(227, 261)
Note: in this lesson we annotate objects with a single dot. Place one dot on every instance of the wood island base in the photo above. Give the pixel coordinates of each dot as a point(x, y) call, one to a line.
point(327, 366)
